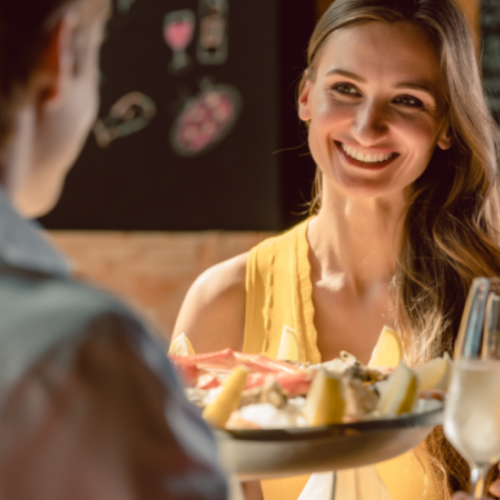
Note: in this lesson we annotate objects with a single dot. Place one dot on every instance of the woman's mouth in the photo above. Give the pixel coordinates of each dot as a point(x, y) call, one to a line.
point(358, 158)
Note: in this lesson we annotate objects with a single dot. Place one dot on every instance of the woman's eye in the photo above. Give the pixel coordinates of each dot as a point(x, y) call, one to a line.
point(410, 101)
point(346, 89)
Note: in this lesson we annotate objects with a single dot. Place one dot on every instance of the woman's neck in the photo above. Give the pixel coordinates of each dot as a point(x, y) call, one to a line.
point(355, 242)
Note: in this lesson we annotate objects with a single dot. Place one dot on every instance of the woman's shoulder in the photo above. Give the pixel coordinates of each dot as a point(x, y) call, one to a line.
point(228, 279)
point(223, 277)
point(277, 252)
point(280, 244)
point(213, 312)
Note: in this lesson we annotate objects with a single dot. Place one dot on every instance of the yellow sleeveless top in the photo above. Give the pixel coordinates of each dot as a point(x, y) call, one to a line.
point(279, 293)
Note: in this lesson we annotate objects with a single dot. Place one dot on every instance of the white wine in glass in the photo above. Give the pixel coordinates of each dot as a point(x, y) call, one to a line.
point(472, 411)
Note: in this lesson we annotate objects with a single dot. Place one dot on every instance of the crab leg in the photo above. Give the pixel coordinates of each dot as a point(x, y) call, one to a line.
point(292, 383)
point(259, 363)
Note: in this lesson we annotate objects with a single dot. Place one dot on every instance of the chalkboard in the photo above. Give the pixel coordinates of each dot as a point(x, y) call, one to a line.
point(490, 31)
point(187, 137)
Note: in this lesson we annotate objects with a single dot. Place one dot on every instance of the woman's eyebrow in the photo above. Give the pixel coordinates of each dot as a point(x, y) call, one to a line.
point(347, 74)
point(422, 87)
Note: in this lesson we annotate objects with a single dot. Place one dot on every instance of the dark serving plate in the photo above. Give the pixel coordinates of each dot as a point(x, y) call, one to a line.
point(268, 453)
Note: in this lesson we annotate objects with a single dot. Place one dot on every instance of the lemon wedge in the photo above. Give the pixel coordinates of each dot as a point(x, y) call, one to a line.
point(181, 346)
point(389, 350)
point(289, 345)
point(398, 393)
point(435, 374)
point(325, 401)
point(228, 400)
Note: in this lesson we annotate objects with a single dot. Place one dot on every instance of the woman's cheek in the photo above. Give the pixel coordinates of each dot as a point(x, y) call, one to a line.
point(419, 133)
point(333, 118)
point(316, 138)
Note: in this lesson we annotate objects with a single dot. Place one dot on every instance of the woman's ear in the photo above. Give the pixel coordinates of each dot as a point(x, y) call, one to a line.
point(305, 102)
point(56, 63)
point(445, 139)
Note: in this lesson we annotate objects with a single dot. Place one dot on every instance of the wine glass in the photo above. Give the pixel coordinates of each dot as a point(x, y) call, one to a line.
point(472, 411)
point(178, 30)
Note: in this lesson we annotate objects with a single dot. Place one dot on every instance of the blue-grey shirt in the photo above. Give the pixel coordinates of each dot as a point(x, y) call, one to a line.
point(42, 307)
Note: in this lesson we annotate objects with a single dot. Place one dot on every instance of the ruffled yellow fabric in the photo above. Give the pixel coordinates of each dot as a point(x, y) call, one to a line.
point(279, 293)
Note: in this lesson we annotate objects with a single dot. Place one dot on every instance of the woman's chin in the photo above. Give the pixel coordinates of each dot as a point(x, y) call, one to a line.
point(361, 188)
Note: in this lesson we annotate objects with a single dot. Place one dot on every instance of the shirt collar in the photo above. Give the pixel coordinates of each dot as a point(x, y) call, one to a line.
point(23, 245)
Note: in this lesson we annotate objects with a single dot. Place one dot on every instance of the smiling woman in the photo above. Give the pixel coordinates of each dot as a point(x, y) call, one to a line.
point(406, 211)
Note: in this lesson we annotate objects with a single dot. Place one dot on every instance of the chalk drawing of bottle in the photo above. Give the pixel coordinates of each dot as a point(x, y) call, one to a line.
point(212, 46)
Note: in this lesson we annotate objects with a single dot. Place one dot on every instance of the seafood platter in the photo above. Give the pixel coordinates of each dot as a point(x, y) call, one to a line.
point(283, 417)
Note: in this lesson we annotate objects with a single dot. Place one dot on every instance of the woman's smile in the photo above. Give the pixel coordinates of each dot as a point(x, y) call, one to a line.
point(371, 159)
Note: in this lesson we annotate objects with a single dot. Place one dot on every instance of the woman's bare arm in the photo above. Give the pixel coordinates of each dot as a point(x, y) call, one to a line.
point(213, 318)
point(213, 313)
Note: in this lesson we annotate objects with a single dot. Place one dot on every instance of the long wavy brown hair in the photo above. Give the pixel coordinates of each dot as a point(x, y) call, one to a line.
point(450, 232)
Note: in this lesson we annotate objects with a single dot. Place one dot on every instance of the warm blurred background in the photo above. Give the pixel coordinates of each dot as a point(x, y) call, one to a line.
point(198, 154)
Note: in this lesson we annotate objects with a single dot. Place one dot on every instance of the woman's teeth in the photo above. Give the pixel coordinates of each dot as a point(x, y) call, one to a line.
point(365, 157)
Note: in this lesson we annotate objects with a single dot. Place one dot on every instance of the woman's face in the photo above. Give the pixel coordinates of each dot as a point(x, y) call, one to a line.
point(375, 108)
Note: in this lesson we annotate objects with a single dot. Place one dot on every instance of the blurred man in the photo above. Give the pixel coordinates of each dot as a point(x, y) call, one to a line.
point(90, 407)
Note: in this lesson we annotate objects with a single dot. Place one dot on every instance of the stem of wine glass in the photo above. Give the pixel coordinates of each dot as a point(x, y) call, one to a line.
point(180, 59)
point(477, 476)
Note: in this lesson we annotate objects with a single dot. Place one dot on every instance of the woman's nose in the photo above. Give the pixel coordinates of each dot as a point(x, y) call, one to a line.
point(370, 123)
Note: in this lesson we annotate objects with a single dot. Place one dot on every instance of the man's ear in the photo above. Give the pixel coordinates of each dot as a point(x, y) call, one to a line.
point(445, 139)
point(56, 63)
point(305, 102)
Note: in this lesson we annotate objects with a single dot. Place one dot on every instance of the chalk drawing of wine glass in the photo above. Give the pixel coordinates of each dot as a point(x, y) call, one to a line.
point(178, 30)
